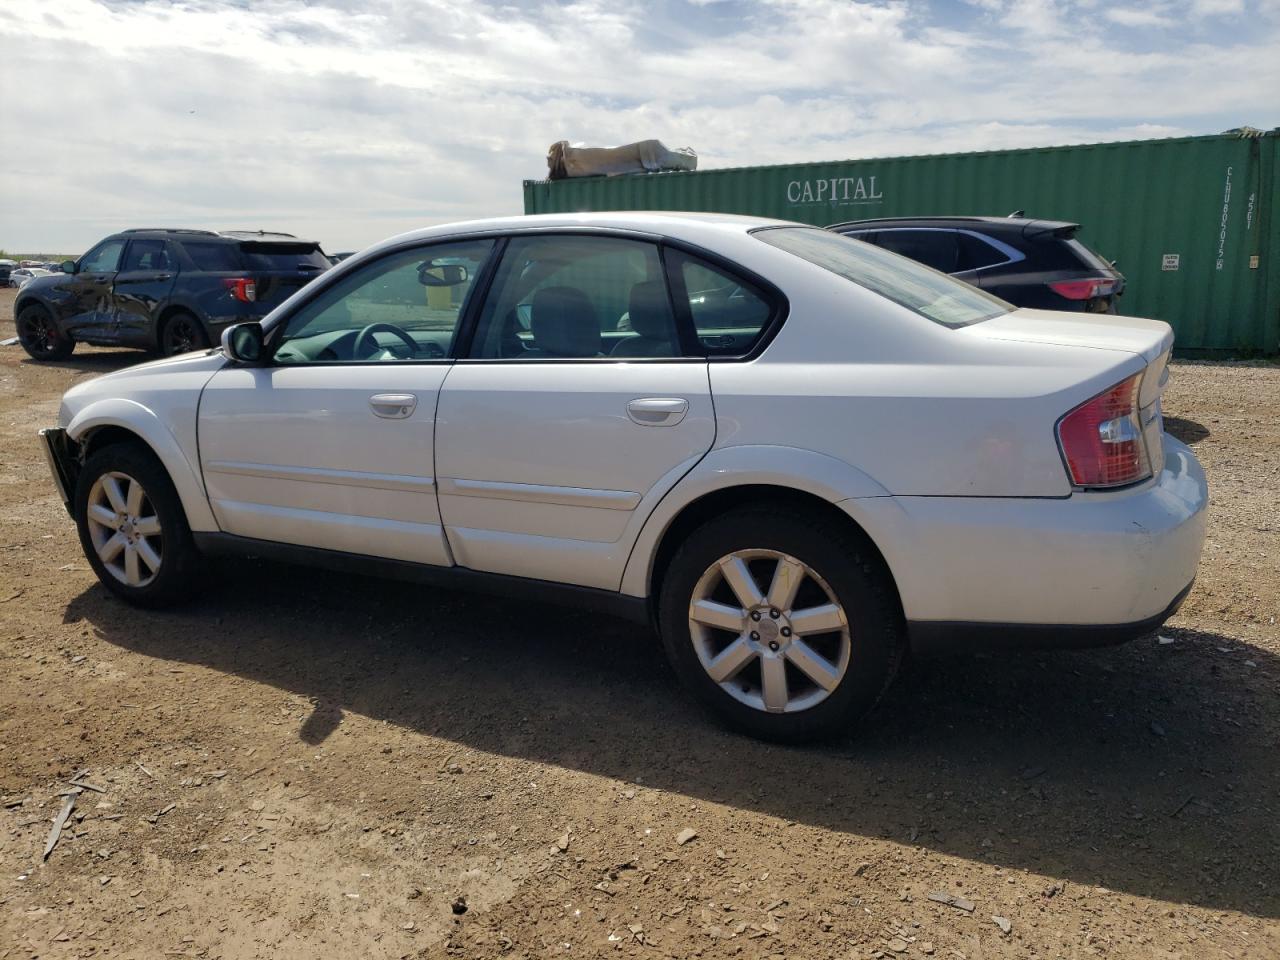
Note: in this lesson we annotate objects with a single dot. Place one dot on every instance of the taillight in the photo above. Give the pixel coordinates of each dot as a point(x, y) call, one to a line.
point(1084, 289)
point(244, 289)
point(1101, 439)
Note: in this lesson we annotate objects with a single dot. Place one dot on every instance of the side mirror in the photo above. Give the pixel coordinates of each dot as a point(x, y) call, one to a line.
point(243, 343)
point(442, 274)
point(68, 266)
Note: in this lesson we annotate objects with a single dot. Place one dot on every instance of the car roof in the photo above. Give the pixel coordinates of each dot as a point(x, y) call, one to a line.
point(1022, 225)
point(676, 224)
point(263, 236)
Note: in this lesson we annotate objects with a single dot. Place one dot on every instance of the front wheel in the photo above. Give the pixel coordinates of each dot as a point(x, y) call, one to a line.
point(132, 527)
point(39, 335)
point(785, 628)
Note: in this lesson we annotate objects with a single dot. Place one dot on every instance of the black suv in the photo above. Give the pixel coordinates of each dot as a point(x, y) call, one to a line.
point(164, 290)
point(1029, 263)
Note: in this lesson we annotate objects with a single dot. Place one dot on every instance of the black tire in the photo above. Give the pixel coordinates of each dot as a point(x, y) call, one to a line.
point(855, 576)
point(182, 333)
point(179, 559)
point(39, 334)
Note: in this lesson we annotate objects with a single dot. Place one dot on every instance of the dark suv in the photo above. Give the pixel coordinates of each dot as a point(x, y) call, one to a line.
point(164, 290)
point(1029, 263)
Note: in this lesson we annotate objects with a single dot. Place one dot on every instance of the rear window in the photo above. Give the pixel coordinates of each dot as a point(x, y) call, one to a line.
point(213, 257)
point(940, 298)
point(285, 256)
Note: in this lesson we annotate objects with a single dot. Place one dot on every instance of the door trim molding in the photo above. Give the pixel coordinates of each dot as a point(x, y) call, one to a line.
point(346, 478)
point(540, 493)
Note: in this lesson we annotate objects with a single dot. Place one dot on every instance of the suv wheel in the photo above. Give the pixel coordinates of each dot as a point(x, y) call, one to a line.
point(182, 333)
point(784, 628)
point(39, 335)
point(132, 526)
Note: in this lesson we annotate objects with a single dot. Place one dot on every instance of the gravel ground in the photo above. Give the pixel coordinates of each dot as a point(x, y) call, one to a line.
point(303, 764)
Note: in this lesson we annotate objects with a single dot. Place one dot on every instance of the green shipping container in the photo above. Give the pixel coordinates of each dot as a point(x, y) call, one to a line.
point(1192, 223)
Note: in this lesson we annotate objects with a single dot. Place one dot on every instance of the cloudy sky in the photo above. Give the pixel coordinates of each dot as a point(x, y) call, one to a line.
point(353, 121)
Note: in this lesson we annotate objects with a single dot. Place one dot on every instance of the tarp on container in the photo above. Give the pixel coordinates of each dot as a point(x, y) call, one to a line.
point(645, 156)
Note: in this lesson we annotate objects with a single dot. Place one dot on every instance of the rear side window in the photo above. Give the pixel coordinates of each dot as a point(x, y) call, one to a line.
point(976, 253)
point(213, 257)
point(146, 255)
point(940, 298)
point(729, 314)
point(934, 248)
point(287, 257)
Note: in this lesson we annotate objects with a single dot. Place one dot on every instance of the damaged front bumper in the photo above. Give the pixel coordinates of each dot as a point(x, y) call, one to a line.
point(61, 453)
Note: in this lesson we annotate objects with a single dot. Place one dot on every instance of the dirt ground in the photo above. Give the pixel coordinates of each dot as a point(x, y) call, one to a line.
point(304, 764)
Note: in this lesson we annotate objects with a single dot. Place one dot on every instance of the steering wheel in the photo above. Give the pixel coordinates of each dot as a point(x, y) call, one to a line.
point(365, 344)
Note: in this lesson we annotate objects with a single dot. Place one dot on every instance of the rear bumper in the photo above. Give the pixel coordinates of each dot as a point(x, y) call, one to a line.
point(59, 453)
point(1086, 570)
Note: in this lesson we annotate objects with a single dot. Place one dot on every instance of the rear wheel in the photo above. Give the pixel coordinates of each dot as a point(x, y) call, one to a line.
point(133, 528)
point(182, 333)
point(785, 629)
point(39, 334)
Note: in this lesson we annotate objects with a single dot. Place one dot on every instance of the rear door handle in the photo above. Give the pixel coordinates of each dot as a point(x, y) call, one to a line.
point(657, 411)
point(393, 406)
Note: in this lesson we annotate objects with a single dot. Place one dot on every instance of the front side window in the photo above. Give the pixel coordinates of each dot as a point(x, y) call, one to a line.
point(943, 299)
point(402, 307)
point(146, 255)
point(104, 258)
point(578, 297)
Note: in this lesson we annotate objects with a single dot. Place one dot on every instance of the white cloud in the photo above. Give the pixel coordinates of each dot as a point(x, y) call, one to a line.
point(352, 121)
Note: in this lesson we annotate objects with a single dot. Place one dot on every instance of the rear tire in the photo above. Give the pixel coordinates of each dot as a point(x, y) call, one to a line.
point(133, 529)
point(182, 333)
point(39, 335)
point(814, 652)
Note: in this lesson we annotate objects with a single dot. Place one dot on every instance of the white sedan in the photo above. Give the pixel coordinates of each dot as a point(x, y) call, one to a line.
point(796, 454)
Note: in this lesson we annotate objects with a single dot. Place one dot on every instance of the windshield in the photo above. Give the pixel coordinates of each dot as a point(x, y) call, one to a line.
point(929, 293)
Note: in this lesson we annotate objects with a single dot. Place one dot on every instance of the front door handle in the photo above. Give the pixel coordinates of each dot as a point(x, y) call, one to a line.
point(393, 406)
point(657, 411)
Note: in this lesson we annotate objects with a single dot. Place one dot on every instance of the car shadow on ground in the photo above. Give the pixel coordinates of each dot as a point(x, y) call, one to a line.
point(1149, 769)
point(100, 361)
point(1188, 431)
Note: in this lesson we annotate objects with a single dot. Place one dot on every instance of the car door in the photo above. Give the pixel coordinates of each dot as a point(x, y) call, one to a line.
point(331, 444)
point(141, 288)
point(86, 294)
point(554, 442)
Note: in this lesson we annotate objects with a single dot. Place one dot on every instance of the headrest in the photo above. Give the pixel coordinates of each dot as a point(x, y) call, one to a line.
point(564, 323)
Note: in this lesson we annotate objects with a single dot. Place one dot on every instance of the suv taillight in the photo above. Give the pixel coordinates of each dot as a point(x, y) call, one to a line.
point(244, 289)
point(1084, 289)
point(1101, 439)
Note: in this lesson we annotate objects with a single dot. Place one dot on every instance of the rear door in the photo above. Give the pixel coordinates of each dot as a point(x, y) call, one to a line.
point(142, 286)
point(579, 404)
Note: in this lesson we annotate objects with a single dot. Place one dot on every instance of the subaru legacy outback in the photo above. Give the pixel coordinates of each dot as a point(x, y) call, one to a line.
point(796, 454)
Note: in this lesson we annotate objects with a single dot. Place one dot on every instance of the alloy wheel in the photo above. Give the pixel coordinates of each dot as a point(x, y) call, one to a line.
point(181, 336)
point(37, 333)
point(769, 630)
point(125, 529)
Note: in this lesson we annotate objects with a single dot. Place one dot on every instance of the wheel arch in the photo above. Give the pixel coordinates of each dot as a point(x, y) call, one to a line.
point(167, 313)
point(742, 476)
point(118, 420)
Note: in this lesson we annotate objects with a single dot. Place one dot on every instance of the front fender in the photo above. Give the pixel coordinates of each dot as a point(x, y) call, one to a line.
point(768, 465)
point(148, 427)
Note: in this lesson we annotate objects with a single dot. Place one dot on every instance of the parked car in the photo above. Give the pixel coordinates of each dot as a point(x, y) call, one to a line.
point(6, 268)
point(20, 276)
point(168, 290)
point(850, 456)
point(1030, 263)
